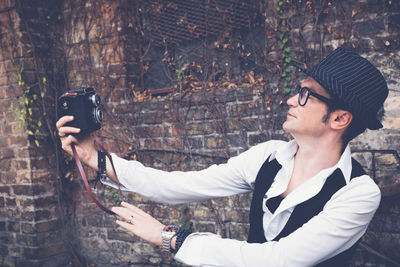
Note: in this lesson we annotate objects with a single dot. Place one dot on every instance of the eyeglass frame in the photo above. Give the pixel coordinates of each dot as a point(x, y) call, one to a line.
point(328, 101)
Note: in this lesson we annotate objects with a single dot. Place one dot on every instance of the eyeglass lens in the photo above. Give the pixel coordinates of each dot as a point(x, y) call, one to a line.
point(303, 96)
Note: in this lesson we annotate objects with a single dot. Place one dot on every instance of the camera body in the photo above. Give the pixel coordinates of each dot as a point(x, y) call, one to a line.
point(84, 105)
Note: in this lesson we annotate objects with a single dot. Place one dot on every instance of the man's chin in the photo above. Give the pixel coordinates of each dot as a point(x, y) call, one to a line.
point(286, 127)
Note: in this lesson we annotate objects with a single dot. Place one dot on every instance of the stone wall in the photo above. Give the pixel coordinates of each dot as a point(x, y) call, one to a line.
point(47, 221)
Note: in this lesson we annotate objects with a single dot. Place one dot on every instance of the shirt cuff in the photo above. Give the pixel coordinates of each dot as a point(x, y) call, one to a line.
point(190, 251)
point(118, 162)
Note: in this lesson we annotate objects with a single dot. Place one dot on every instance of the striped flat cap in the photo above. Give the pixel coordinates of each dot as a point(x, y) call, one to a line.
point(354, 83)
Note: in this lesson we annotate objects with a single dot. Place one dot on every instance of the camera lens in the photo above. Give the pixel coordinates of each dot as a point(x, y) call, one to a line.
point(97, 115)
point(94, 99)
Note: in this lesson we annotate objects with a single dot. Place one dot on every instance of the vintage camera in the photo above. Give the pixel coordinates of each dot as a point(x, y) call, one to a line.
point(84, 105)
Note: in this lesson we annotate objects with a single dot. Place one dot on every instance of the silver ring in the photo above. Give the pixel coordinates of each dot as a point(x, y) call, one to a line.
point(130, 219)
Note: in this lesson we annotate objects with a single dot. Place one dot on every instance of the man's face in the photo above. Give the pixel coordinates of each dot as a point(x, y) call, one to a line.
point(307, 120)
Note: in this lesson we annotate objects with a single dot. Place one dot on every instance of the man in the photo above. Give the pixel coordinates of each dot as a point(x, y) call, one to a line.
point(311, 201)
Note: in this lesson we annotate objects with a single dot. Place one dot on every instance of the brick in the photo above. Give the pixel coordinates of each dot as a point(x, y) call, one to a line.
point(171, 143)
point(236, 140)
point(25, 189)
point(122, 236)
point(5, 164)
point(239, 110)
point(369, 27)
point(152, 143)
point(5, 189)
point(394, 23)
point(27, 240)
point(17, 140)
point(13, 226)
point(30, 228)
point(3, 250)
point(148, 131)
point(43, 252)
point(152, 117)
point(11, 202)
point(214, 142)
point(200, 128)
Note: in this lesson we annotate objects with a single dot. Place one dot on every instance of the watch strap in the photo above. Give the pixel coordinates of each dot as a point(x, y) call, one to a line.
point(167, 233)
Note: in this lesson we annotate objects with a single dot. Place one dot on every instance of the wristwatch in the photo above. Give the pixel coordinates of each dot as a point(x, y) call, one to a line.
point(167, 233)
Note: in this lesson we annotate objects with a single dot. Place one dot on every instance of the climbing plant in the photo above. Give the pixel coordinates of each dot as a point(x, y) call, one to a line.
point(29, 111)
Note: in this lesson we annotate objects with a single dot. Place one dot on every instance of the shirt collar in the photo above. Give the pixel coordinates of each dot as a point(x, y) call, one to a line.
point(286, 152)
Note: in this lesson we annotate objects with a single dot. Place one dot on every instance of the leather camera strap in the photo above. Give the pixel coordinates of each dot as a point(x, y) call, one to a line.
point(84, 177)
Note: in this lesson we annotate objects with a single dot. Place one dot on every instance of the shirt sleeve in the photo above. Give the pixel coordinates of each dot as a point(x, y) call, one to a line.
point(235, 176)
point(342, 222)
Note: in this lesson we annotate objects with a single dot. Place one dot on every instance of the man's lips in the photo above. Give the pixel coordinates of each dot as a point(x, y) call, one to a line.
point(291, 115)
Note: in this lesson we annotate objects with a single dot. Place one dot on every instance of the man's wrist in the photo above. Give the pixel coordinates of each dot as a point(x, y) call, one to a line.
point(173, 243)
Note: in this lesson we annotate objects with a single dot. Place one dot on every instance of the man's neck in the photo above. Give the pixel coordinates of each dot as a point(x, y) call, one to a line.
point(318, 154)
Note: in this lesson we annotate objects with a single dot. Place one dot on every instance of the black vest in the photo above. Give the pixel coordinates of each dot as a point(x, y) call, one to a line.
point(303, 212)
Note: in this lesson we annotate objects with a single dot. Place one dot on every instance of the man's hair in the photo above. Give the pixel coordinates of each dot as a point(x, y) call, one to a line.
point(356, 126)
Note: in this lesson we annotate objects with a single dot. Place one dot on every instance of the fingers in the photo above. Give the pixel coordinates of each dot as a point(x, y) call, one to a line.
point(134, 209)
point(124, 213)
point(142, 225)
point(63, 120)
point(65, 130)
point(126, 225)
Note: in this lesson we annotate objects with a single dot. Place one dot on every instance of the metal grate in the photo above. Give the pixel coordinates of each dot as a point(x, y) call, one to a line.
point(176, 21)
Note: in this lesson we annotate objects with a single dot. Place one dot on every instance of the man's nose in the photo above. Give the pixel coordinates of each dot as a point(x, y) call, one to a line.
point(292, 101)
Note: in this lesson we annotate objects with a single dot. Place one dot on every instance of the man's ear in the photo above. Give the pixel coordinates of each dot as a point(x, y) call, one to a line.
point(340, 119)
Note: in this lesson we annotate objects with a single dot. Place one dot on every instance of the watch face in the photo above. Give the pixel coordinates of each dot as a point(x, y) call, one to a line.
point(170, 228)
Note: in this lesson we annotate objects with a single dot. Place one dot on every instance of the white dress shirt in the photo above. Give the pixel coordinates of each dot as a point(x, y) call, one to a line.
point(343, 220)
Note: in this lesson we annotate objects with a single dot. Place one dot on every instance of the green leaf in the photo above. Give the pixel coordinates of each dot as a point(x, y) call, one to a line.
point(288, 79)
point(44, 80)
point(285, 40)
point(42, 94)
point(281, 46)
point(287, 90)
point(278, 9)
point(280, 3)
point(283, 75)
point(288, 59)
point(287, 49)
point(281, 36)
point(288, 69)
point(37, 143)
point(29, 132)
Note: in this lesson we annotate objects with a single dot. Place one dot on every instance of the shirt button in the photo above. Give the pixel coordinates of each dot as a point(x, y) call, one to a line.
point(265, 196)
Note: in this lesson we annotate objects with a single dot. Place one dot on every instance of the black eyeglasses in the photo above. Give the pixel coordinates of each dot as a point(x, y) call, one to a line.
point(305, 92)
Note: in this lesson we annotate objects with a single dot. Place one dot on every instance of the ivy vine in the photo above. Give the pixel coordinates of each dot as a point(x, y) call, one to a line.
point(284, 47)
point(28, 110)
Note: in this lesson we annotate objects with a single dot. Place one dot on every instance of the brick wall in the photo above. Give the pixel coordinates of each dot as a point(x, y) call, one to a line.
point(176, 132)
